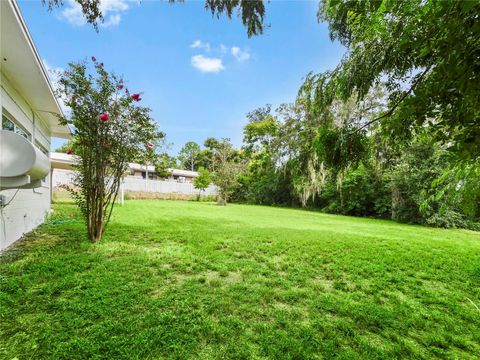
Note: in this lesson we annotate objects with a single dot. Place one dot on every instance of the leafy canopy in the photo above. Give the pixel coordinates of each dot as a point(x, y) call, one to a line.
point(426, 52)
point(203, 179)
point(188, 155)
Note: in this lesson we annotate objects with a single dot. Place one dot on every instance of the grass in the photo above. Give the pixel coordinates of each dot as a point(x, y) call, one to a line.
point(186, 280)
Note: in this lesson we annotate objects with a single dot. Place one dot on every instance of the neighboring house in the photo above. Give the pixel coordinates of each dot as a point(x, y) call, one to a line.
point(29, 112)
point(141, 171)
point(62, 165)
point(139, 177)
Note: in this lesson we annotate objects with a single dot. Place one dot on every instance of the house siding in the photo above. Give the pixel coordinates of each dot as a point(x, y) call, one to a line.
point(27, 208)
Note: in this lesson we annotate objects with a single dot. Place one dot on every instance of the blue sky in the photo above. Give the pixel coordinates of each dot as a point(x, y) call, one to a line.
point(199, 75)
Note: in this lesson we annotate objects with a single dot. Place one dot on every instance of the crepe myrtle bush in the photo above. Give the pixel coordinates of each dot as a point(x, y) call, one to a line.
point(110, 129)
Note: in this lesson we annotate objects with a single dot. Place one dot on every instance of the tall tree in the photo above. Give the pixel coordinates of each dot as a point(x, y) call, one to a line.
point(188, 154)
point(205, 157)
point(163, 163)
point(228, 167)
point(428, 54)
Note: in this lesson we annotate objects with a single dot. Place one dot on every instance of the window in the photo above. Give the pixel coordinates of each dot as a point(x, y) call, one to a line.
point(151, 175)
point(9, 125)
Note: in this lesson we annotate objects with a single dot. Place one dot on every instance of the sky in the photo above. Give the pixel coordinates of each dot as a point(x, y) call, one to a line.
point(200, 75)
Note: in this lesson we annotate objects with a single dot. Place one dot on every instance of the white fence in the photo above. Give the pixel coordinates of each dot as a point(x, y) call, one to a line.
point(63, 177)
point(159, 186)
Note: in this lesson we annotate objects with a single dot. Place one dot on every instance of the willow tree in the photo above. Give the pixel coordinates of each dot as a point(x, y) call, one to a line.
point(426, 52)
point(110, 130)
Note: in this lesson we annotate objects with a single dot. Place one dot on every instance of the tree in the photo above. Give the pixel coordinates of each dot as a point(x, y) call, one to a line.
point(252, 12)
point(259, 182)
point(205, 157)
point(428, 55)
point(188, 154)
point(163, 163)
point(110, 130)
point(228, 167)
point(202, 181)
point(261, 130)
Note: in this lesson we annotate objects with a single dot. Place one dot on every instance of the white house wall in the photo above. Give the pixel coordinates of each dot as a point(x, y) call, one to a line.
point(29, 207)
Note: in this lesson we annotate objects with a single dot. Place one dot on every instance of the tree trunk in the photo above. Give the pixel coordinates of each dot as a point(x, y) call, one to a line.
point(222, 200)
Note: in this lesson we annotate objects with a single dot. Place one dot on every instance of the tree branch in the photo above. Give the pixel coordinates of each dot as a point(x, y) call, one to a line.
point(394, 107)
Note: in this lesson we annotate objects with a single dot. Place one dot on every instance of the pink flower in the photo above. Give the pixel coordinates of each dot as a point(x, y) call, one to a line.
point(136, 97)
point(104, 117)
point(94, 58)
point(150, 146)
point(120, 86)
point(69, 152)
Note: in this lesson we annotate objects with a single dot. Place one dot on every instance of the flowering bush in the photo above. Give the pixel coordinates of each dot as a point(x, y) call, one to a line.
point(110, 130)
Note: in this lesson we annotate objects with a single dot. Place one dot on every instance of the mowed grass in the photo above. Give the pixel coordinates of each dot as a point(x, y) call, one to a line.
point(187, 280)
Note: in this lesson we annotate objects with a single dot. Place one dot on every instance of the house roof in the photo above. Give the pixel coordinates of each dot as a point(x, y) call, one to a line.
point(65, 161)
point(62, 161)
point(186, 173)
point(22, 66)
point(151, 168)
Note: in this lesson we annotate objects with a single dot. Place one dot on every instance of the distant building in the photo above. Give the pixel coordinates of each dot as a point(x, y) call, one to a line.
point(139, 178)
point(61, 161)
point(140, 171)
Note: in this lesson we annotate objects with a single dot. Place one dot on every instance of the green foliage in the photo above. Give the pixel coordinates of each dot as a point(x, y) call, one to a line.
point(188, 280)
point(299, 157)
point(204, 158)
point(202, 181)
point(359, 192)
point(188, 155)
point(427, 54)
point(110, 130)
point(339, 149)
point(66, 147)
point(228, 167)
point(163, 163)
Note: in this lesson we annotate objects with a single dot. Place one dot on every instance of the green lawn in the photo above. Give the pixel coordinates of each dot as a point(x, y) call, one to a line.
point(194, 280)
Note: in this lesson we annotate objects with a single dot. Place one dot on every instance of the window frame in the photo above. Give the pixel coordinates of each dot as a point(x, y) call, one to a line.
point(17, 129)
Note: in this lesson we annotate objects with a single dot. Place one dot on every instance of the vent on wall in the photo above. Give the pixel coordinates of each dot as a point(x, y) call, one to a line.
point(22, 165)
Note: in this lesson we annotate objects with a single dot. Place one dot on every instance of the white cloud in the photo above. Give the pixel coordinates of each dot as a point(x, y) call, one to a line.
point(112, 20)
point(240, 55)
point(207, 64)
point(111, 10)
point(73, 13)
point(54, 75)
point(199, 44)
